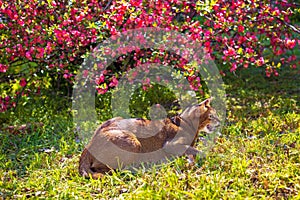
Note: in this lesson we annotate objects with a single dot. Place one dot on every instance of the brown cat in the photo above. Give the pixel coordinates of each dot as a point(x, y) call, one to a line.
point(120, 142)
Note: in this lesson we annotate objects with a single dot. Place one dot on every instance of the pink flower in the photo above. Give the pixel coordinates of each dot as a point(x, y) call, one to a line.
point(66, 76)
point(290, 43)
point(131, 76)
point(3, 68)
point(292, 58)
point(260, 61)
point(3, 107)
point(146, 81)
point(100, 79)
point(28, 55)
point(233, 67)
point(102, 90)
point(85, 73)
point(268, 72)
point(41, 52)
point(114, 82)
point(21, 22)
point(249, 50)
point(144, 87)
point(158, 78)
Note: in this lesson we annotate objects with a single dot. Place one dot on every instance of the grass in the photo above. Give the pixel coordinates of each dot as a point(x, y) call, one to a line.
point(257, 157)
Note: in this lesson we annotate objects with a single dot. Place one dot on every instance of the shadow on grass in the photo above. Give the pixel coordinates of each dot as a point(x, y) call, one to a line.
point(23, 152)
point(253, 96)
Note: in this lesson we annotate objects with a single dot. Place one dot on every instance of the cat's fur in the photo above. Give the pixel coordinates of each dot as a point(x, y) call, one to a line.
point(121, 142)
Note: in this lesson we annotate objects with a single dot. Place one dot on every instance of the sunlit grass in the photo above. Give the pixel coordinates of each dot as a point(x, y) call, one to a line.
point(256, 157)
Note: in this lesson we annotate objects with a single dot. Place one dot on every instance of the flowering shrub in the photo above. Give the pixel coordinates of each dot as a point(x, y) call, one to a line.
point(41, 40)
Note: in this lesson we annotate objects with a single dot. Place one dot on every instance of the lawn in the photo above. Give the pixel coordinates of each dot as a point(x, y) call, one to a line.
point(257, 156)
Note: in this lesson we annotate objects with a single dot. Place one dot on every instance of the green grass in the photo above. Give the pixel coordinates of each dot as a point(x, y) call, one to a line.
point(258, 156)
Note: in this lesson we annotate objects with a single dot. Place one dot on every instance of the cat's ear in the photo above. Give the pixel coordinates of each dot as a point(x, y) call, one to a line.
point(206, 102)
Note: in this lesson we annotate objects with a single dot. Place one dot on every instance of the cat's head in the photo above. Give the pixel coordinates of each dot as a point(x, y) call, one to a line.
point(202, 117)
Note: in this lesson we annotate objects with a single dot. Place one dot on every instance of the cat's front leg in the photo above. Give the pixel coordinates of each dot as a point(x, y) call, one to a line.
point(192, 151)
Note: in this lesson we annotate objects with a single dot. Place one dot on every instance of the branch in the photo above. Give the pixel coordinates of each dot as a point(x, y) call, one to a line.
point(107, 5)
point(295, 4)
point(289, 25)
point(15, 62)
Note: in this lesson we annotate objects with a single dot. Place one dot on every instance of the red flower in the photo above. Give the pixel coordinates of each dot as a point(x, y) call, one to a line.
point(241, 28)
point(23, 82)
point(230, 52)
point(136, 2)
